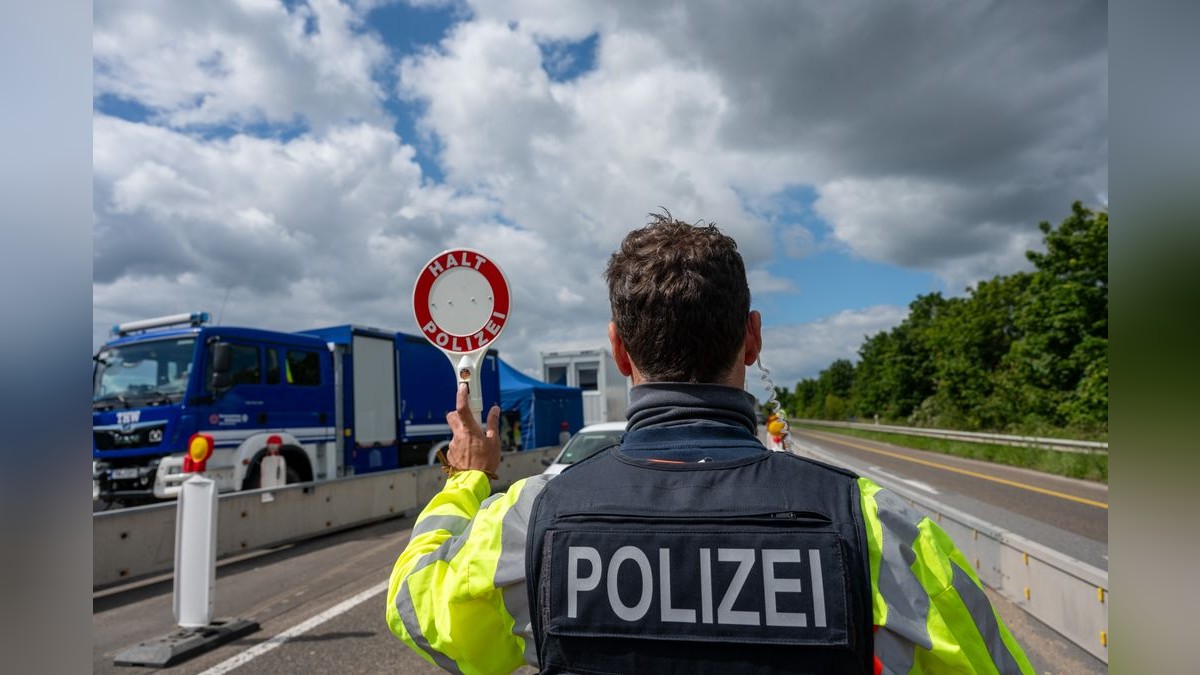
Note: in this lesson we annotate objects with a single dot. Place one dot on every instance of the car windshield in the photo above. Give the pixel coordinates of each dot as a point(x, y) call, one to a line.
point(147, 373)
point(587, 443)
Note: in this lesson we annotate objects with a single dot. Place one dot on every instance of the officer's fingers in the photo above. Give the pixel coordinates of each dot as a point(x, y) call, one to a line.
point(463, 404)
point(493, 422)
point(455, 423)
point(462, 400)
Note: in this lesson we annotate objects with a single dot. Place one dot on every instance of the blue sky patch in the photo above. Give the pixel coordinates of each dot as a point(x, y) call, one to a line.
point(280, 131)
point(791, 206)
point(406, 30)
point(427, 145)
point(827, 278)
point(832, 281)
point(121, 108)
point(564, 61)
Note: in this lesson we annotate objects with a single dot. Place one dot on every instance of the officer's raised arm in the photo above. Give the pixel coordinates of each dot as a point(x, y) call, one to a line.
point(438, 603)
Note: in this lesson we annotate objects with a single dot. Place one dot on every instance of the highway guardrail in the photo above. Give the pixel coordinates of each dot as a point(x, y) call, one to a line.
point(1060, 444)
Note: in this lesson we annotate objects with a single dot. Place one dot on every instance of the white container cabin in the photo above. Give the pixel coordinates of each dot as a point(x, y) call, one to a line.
point(605, 389)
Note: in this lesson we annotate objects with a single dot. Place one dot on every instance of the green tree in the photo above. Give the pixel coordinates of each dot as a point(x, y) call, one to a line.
point(838, 378)
point(874, 387)
point(970, 340)
point(896, 368)
point(1018, 353)
point(834, 407)
point(1057, 369)
point(913, 367)
point(805, 400)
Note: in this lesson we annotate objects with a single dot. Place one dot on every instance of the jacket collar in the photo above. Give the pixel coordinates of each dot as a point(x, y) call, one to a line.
point(664, 404)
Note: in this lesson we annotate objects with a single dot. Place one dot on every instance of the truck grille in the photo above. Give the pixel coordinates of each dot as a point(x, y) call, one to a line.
point(111, 439)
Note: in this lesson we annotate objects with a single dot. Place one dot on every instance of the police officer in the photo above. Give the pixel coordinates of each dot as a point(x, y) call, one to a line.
point(690, 547)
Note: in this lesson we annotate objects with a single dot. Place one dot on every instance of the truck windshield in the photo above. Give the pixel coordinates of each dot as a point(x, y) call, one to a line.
point(147, 373)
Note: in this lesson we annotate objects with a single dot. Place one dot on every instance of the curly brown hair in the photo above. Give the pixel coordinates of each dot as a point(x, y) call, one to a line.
point(679, 300)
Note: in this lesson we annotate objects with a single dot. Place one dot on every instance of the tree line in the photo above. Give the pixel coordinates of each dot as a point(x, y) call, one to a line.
point(1022, 353)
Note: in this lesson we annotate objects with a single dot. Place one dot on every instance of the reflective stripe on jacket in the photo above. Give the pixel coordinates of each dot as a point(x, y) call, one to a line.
point(458, 597)
point(930, 610)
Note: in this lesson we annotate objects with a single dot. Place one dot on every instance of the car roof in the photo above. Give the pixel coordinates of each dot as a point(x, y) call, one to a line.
point(604, 426)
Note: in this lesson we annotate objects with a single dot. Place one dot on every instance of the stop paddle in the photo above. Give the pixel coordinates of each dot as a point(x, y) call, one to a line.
point(461, 303)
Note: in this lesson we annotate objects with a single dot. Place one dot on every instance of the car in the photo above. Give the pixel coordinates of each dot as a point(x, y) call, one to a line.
point(585, 443)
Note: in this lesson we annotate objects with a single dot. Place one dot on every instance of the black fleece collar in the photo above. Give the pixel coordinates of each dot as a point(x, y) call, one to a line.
point(662, 404)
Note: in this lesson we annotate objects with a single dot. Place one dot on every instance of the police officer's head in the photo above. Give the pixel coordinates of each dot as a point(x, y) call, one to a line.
point(681, 305)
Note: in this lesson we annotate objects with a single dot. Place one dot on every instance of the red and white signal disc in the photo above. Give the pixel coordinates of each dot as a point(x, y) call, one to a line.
point(461, 301)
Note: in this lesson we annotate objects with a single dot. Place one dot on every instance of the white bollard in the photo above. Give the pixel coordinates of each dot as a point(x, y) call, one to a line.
point(195, 552)
point(195, 578)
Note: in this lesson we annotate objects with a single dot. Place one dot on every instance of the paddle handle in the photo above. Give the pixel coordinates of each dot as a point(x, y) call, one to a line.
point(466, 369)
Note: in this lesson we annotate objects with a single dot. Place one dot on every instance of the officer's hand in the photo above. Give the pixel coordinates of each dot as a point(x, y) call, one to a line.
point(471, 447)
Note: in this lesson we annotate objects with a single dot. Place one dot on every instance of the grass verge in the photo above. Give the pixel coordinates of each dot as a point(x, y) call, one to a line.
point(1092, 467)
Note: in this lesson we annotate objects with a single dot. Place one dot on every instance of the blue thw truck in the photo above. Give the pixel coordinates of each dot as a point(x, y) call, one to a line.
point(338, 401)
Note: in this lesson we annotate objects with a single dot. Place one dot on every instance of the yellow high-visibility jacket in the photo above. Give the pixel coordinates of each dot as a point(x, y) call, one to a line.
point(458, 597)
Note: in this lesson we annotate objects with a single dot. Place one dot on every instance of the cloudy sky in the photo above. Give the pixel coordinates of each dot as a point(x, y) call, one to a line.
point(292, 164)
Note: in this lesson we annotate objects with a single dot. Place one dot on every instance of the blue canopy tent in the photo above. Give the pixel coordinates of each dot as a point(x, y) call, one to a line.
point(543, 407)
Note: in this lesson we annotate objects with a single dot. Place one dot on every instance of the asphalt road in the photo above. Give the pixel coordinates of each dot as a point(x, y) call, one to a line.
point(320, 603)
point(280, 589)
point(1068, 515)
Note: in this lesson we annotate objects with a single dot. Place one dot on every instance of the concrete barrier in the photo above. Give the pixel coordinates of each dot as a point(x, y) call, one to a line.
point(139, 542)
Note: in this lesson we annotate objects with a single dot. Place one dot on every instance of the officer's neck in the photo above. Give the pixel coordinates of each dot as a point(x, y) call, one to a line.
point(736, 377)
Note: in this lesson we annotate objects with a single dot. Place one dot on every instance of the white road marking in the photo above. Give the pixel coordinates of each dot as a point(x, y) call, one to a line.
point(907, 481)
point(299, 629)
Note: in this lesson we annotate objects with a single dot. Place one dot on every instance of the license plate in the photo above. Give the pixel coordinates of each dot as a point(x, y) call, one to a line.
point(118, 474)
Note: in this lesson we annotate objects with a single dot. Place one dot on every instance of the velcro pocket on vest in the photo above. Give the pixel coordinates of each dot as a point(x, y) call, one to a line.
point(739, 585)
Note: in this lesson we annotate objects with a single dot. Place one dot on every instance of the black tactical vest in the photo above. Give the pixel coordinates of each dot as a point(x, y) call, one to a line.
point(751, 565)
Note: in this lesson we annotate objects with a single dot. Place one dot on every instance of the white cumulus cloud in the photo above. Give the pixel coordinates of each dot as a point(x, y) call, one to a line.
point(795, 352)
point(262, 160)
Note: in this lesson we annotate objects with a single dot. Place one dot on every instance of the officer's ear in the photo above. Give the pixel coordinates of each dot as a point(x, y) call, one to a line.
point(754, 341)
point(620, 355)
